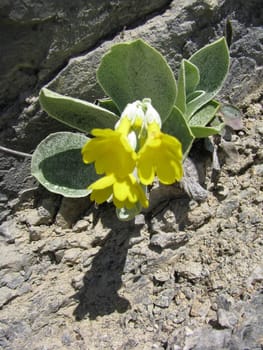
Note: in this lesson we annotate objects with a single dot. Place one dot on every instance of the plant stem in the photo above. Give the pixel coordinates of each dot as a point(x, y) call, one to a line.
point(16, 153)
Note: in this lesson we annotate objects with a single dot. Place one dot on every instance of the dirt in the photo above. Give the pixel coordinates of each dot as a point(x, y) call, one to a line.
point(185, 275)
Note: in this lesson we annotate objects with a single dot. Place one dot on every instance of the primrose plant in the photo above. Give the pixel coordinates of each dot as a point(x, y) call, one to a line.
point(143, 130)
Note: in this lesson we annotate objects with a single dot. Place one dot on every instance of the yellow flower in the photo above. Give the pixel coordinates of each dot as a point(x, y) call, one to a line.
point(110, 150)
point(125, 192)
point(131, 156)
point(160, 155)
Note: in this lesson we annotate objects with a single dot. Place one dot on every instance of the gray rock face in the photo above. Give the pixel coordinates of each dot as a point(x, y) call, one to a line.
point(243, 336)
point(38, 37)
point(179, 34)
point(8, 231)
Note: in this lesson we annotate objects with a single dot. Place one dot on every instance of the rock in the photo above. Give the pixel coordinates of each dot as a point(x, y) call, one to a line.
point(16, 173)
point(33, 218)
point(12, 280)
point(4, 214)
point(191, 182)
point(59, 254)
point(70, 211)
point(223, 302)
point(77, 282)
point(165, 298)
point(12, 260)
point(248, 333)
point(226, 209)
point(8, 231)
point(258, 170)
point(80, 240)
point(256, 275)
point(35, 233)
point(72, 256)
point(231, 152)
point(55, 244)
point(40, 216)
point(3, 205)
point(160, 193)
point(140, 219)
point(135, 240)
point(3, 198)
point(191, 270)
point(66, 339)
point(226, 319)
point(38, 59)
point(200, 308)
point(207, 338)
point(162, 275)
point(88, 255)
point(80, 226)
point(169, 240)
point(259, 199)
point(222, 191)
point(48, 208)
point(6, 295)
point(199, 216)
point(24, 288)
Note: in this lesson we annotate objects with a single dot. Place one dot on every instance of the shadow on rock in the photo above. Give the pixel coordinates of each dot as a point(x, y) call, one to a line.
point(99, 294)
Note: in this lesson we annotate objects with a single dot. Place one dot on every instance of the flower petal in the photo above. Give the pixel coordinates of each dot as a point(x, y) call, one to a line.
point(161, 155)
point(103, 182)
point(146, 169)
point(111, 152)
point(127, 192)
point(121, 190)
point(100, 196)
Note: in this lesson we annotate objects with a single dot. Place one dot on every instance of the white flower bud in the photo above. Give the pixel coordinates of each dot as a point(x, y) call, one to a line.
point(151, 115)
point(133, 111)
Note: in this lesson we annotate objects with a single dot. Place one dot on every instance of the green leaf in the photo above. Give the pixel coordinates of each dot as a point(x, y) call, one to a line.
point(212, 62)
point(180, 101)
point(57, 164)
point(134, 71)
point(204, 131)
point(194, 95)
point(192, 77)
point(177, 126)
point(204, 115)
point(188, 79)
point(108, 104)
point(81, 115)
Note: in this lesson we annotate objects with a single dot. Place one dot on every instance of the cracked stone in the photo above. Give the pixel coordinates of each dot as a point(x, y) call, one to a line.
point(8, 231)
point(6, 295)
point(190, 270)
point(226, 319)
point(200, 308)
point(165, 298)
